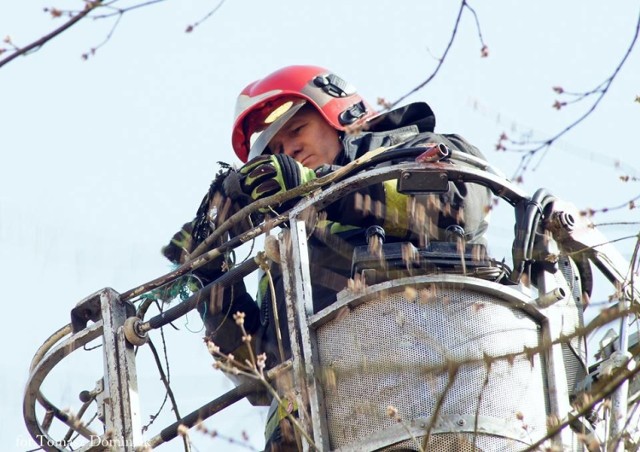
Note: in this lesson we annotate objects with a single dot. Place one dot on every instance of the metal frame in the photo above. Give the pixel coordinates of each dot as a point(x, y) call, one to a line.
point(119, 396)
point(122, 414)
point(107, 312)
point(605, 257)
point(556, 377)
point(304, 308)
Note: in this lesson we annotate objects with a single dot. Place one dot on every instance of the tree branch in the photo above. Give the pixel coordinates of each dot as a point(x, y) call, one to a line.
point(440, 61)
point(484, 53)
point(601, 89)
point(90, 6)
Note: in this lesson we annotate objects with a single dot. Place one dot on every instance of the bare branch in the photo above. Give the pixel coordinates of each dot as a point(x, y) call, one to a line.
point(254, 369)
point(631, 204)
point(484, 50)
point(452, 371)
point(463, 4)
point(533, 148)
point(485, 383)
point(77, 16)
point(611, 385)
point(617, 223)
point(167, 386)
point(168, 377)
point(121, 11)
point(92, 52)
point(216, 434)
point(191, 27)
point(90, 6)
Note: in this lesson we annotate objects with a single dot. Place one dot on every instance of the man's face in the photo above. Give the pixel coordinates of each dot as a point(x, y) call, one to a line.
point(308, 138)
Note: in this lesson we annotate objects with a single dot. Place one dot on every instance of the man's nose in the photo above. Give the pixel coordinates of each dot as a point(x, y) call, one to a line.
point(291, 148)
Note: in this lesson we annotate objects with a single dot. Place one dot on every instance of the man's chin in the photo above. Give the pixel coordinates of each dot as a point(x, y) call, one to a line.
point(309, 162)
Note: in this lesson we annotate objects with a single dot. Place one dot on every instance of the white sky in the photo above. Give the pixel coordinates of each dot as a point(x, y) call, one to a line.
point(102, 160)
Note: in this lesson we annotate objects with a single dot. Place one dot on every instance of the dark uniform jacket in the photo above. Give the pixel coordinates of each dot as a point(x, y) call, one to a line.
point(418, 219)
point(345, 223)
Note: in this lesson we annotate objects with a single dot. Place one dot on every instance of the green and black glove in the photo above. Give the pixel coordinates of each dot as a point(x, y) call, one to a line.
point(267, 175)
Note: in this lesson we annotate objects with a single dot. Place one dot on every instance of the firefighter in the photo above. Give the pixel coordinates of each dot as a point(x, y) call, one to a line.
point(299, 123)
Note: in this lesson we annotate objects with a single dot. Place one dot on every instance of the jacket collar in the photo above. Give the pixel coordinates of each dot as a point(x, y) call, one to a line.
point(417, 114)
point(388, 129)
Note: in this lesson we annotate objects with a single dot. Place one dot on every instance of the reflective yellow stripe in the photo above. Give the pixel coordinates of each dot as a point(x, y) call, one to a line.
point(279, 414)
point(335, 227)
point(263, 287)
point(396, 221)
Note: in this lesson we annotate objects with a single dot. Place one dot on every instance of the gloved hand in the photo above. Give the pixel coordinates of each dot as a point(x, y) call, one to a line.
point(267, 175)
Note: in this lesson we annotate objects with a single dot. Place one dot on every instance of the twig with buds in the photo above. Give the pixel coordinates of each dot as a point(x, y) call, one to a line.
point(392, 412)
point(254, 368)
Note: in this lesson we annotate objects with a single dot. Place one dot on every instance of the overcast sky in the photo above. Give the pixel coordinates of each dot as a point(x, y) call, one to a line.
point(102, 160)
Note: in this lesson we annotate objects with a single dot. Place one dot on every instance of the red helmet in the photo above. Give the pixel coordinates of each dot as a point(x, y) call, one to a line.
point(333, 97)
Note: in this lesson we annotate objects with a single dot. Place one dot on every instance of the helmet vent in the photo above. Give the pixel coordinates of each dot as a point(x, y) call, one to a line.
point(351, 114)
point(334, 86)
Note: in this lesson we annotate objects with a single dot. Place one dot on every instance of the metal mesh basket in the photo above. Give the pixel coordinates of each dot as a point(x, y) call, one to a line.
point(393, 350)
